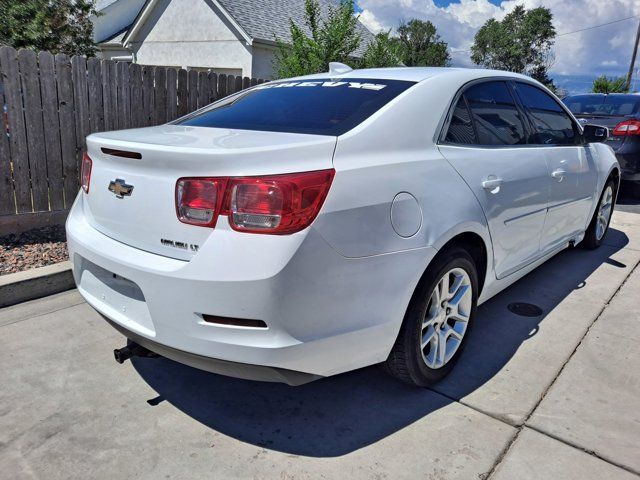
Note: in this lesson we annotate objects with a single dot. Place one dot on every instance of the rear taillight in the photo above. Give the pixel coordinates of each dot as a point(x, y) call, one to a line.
point(273, 204)
point(85, 172)
point(198, 200)
point(628, 127)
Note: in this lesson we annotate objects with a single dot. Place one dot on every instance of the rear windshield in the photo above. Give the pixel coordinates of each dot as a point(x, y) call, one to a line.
point(606, 105)
point(320, 107)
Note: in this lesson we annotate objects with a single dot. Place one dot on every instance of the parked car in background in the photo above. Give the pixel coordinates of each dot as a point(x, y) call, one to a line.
point(307, 227)
point(621, 114)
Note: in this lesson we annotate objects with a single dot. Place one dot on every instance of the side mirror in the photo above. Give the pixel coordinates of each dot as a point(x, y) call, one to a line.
point(595, 133)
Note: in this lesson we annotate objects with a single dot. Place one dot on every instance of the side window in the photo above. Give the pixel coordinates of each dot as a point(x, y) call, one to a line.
point(495, 115)
point(551, 123)
point(461, 129)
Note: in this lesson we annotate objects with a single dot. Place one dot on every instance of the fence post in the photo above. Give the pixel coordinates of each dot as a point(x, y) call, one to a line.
point(231, 84)
point(124, 100)
point(68, 128)
point(203, 89)
point(160, 95)
point(193, 89)
point(81, 101)
point(172, 94)
point(183, 94)
point(28, 62)
point(96, 106)
point(213, 87)
point(7, 194)
point(137, 96)
point(18, 136)
point(52, 145)
point(222, 86)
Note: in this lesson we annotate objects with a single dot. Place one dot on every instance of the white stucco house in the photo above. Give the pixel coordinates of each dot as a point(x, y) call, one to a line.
point(236, 37)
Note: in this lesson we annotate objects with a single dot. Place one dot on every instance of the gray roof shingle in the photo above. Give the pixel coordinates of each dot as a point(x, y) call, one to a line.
point(269, 19)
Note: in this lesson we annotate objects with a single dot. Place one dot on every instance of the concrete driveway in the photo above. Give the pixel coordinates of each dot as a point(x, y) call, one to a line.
point(549, 397)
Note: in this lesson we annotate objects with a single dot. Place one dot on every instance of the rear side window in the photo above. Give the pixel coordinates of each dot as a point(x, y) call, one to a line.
point(495, 115)
point(460, 128)
point(319, 107)
point(552, 125)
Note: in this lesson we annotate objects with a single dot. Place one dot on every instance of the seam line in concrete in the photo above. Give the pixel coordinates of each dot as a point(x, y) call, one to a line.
point(546, 391)
point(604, 307)
point(43, 313)
point(585, 450)
point(519, 428)
point(501, 456)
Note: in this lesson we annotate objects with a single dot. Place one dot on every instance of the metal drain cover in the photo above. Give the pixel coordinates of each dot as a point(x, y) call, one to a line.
point(525, 309)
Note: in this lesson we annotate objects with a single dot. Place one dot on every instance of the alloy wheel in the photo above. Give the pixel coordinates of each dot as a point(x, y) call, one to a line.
point(447, 318)
point(604, 212)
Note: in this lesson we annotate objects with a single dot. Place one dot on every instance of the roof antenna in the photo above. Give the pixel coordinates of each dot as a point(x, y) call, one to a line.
point(338, 68)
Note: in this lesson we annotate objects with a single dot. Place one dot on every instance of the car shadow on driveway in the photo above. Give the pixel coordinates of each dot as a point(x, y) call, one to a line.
point(338, 415)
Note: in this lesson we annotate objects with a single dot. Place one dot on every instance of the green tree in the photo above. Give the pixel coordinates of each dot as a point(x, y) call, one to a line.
point(604, 84)
point(52, 25)
point(420, 45)
point(520, 43)
point(334, 38)
point(384, 51)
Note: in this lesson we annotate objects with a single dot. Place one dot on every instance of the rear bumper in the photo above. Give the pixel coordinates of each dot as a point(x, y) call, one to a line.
point(325, 313)
point(630, 165)
point(214, 365)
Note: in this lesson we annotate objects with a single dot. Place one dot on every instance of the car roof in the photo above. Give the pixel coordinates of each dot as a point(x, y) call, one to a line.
point(417, 74)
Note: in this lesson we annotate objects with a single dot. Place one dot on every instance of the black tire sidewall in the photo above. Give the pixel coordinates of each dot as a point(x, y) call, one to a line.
point(420, 373)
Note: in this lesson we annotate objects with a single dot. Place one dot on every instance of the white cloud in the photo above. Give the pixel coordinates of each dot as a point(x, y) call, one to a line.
point(602, 50)
point(370, 21)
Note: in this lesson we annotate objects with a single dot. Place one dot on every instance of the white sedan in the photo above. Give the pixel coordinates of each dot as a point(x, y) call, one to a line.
point(307, 227)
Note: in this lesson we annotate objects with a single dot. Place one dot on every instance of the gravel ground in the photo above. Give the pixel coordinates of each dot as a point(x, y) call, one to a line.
point(35, 248)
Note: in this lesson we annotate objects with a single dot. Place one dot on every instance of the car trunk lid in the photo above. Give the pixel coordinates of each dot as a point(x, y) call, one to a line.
point(132, 191)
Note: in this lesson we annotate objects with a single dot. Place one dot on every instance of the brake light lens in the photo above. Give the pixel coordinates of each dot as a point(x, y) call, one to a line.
point(198, 200)
point(277, 204)
point(273, 204)
point(256, 205)
point(85, 172)
point(628, 127)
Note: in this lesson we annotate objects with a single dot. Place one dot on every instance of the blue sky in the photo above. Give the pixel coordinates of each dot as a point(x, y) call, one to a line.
point(578, 57)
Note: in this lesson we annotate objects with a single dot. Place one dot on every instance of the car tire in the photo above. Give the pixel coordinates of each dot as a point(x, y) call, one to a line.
point(599, 225)
point(419, 362)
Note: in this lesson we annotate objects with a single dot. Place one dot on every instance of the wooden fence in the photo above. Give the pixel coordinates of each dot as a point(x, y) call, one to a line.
point(50, 103)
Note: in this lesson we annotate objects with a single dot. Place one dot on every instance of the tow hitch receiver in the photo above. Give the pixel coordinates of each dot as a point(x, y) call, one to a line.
point(132, 350)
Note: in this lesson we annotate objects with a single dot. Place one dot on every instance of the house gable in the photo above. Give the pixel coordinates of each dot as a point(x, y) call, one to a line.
point(188, 33)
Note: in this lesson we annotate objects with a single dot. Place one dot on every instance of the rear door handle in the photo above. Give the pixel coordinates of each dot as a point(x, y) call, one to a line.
point(491, 183)
point(558, 174)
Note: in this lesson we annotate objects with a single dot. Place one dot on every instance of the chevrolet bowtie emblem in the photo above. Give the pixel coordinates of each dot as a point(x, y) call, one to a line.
point(120, 188)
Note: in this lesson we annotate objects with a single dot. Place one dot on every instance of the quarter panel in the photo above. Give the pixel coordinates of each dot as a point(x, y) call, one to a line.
point(356, 219)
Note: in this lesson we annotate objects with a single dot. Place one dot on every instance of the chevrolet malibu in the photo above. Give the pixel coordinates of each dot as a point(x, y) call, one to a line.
point(303, 228)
